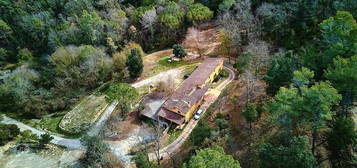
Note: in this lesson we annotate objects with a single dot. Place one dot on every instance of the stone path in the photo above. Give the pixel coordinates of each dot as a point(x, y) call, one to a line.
point(103, 119)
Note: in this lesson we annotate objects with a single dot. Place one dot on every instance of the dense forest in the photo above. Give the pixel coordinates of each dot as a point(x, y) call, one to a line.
point(54, 52)
point(48, 47)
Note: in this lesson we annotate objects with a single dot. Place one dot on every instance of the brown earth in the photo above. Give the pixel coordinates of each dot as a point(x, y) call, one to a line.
point(201, 42)
point(123, 128)
point(150, 61)
point(204, 40)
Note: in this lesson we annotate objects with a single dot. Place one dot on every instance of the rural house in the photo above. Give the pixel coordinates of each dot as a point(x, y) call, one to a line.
point(182, 104)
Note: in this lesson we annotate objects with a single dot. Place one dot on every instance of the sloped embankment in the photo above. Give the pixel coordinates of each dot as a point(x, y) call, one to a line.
point(84, 115)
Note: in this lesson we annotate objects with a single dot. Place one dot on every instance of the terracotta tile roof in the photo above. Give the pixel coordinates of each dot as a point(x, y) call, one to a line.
point(189, 93)
point(171, 116)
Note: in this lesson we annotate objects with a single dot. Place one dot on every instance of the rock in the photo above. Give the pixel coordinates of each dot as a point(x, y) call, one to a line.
point(22, 147)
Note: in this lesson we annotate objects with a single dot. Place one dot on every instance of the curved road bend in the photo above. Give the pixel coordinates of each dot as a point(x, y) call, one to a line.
point(69, 143)
point(168, 150)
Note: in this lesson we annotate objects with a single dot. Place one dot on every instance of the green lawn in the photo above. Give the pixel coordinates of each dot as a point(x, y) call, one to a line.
point(84, 114)
point(163, 65)
point(51, 124)
point(189, 69)
point(143, 90)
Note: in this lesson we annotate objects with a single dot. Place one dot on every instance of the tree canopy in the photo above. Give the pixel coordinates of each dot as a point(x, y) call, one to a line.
point(213, 157)
point(179, 51)
point(280, 71)
point(341, 140)
point(343, 75)
point(198, 13)
point(122, 92)
point(294, 106)
point(294, 154)
point(135, 63)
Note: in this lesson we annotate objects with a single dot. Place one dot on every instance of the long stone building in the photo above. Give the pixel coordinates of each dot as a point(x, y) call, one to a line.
point(179, 108)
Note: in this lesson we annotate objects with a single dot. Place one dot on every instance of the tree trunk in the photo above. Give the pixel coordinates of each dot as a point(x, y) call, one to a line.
point(314, 137)
point(158, 157)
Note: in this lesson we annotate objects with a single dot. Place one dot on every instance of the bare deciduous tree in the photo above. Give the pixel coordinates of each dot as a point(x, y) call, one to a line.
point(192, 40)
point(166, 86)
point(239, 23)
point(249, 79)
point(148, 21)
point(158, 131)
point(260, 57)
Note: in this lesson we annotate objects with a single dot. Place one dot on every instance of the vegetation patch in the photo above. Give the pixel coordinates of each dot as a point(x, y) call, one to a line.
point(189, 69)
point(223, 75)
point(173, 135)
point(82, 116)
point(51, 124)
point(163, 64)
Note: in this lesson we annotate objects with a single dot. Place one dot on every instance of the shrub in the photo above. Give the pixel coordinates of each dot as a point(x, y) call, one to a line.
point(8, 132)
point(24, 55)
point(4, 56)
point(119, 58)
point(179, 51)
point(222, 123)
point(250, 113)
point(224, 73)
point(45, 139)
point(200, 133)
point(96, 149)
point(28, 137)
point(135, 63)
point(142, 160)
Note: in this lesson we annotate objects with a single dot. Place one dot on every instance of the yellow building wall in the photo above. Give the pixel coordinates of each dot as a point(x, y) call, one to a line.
point(214, 73)
point(192, 111)
point(193, 108)
point(210, 79)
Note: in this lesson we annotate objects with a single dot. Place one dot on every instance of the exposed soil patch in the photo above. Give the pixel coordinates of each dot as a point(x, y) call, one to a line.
point(150, 61)
point(122, 129)
point(201, 42)
point(127, 134)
